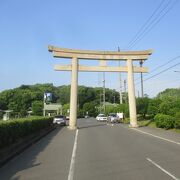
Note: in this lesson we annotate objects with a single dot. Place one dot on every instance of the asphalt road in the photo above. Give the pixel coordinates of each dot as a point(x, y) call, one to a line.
point(97, 151)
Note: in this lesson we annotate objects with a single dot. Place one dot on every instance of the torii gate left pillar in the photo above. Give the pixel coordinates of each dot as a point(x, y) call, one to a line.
point(74, 92)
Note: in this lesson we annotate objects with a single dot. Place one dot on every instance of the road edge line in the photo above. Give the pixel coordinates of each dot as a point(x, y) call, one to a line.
point(162, 169)
point(178, 143)
point(72, 164)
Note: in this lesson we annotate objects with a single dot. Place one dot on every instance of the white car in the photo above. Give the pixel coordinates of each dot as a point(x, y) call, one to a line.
point(59, 119)
point(101, 117)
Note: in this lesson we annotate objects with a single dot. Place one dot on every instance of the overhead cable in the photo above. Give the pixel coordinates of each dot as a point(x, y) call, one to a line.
point(160, 72)
point(158, 67)
point(153, 22)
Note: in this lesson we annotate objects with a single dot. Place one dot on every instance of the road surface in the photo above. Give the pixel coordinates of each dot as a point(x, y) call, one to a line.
point(99, 151)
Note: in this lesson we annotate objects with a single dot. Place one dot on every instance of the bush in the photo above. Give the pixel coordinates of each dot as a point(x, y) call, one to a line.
point(177, 121)
point(126, 120)
point(177, 124)
point(164, 121)
point(13, 130)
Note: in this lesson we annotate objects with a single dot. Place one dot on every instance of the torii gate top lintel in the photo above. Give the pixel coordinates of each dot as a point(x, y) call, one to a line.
point(100, 55)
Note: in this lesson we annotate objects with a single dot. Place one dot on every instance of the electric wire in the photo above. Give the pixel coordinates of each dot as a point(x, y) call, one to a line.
point(158, 67)
point(144, 25)
point(159, 73)
point(153, 22)
point(149, 25)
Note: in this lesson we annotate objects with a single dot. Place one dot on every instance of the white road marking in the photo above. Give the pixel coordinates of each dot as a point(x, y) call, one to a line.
point(162, 169)
point(72, 165)
point(178, 143)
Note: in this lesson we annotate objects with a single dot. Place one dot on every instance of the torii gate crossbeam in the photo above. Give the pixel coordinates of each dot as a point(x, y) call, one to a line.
point(103, 56)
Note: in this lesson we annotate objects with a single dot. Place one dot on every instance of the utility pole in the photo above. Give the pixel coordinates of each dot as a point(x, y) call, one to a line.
point(100, 103)
point(125, 99)
point(104, 93)
point(120, 86)
point(125, 86)
point(142, 89)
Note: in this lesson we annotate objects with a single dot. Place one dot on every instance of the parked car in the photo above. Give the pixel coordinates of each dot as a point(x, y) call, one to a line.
point(67, 120)
point(113, 118)
point(60, 119)
point(101, 117)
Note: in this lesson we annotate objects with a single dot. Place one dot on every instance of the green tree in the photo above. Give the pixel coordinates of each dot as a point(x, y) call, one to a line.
point(166, 106)
point(66, 109)
point(63, 94)
point(110, 109)
point(85, 94)
point(90, 107)
point(123, 108)
point(37, 108)
point(142, 106)
point(153, 107)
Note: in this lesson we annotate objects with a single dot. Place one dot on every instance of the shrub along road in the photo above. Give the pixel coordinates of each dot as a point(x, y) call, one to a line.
point(100, 151)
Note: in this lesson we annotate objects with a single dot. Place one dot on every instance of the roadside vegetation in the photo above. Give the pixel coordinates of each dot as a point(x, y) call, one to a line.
point(162, 111)
point(30, 98)
point(12, 131)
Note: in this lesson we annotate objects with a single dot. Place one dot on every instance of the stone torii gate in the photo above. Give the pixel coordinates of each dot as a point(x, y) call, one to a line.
point(103, 56)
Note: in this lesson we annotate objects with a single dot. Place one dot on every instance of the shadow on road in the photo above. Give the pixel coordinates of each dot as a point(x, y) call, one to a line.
point(91, 125)
point(26, 159)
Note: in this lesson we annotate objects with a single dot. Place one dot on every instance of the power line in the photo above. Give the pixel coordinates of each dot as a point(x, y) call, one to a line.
point(149, 25)
point(158, 67)
point(177, 57)
point(162, 83)
point(153, 22)
point(160, 72)
point(153, 25)
point(143, 26)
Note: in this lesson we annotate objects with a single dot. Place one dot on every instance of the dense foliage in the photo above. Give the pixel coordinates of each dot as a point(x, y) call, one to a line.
point(164, 109)
point(30, 97)
point(13, 130)
point(164, 121)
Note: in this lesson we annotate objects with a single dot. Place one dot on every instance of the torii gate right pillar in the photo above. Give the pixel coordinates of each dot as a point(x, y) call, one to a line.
point(131, 95)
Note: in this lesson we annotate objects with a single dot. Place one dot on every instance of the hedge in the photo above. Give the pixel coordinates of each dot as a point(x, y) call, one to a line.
point(177, 124)
point(164, 121)
point(13, 130)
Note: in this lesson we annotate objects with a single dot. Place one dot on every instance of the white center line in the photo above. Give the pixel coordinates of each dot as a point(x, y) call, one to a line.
point(168, 173)
point(178, 143)
point(72, 165)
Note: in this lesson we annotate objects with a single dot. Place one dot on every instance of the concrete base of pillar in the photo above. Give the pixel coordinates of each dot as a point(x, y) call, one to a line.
point(72, 128)
point(133, 126)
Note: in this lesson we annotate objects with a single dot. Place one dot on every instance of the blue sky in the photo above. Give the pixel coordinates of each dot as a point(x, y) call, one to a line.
point(28, 27)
